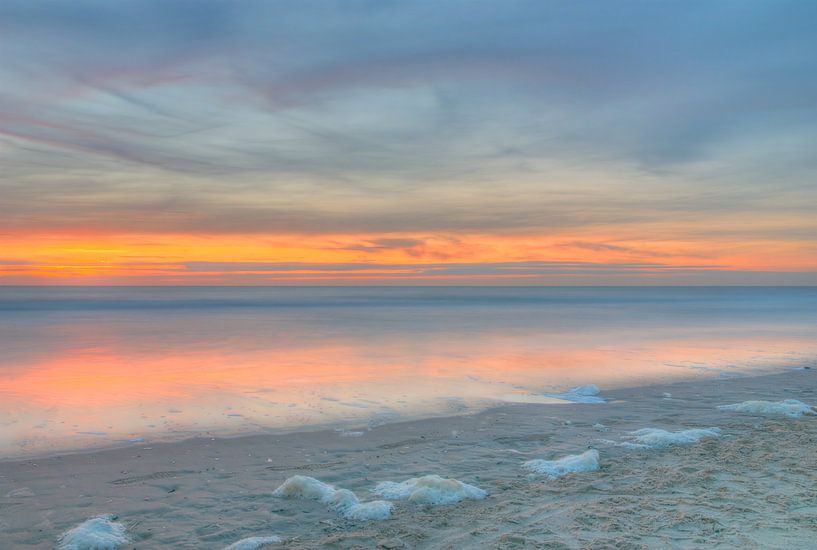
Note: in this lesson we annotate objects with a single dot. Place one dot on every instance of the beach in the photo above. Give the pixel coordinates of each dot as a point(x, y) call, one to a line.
point(752, 487)
point(427, 275)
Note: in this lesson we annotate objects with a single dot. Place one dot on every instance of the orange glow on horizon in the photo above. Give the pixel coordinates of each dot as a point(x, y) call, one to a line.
point(265, 259)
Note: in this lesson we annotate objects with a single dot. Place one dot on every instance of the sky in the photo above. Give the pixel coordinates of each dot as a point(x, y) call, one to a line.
point(248, 142)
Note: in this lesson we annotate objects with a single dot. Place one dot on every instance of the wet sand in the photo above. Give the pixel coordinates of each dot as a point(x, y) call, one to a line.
point(752, 488)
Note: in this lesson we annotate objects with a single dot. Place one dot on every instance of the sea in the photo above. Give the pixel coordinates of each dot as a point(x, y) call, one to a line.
point(92, 367)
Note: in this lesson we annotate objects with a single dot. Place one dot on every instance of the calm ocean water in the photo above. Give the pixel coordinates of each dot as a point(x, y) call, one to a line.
point(85, 367)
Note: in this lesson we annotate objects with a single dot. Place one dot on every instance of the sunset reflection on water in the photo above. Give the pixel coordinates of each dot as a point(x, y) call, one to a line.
point(77, 377)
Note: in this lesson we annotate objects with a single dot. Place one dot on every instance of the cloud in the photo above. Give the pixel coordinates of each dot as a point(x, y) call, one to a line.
point(657, 84)
point(480, 269)
point(598, 247)
point(628, 250)
point(377, 245)
point(505, 273)
point(669, 119)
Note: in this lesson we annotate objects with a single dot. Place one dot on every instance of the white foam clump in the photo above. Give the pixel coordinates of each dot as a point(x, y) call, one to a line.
point(655, 438)
point(588, 461)
point(625, 444)
point(430, 489)
point(254, 543)
point(789, 407)
point(342, 501)
point(588, 393)
point(99, 533)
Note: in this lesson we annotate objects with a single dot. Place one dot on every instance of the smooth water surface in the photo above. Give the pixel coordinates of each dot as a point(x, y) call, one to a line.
point(85, 367)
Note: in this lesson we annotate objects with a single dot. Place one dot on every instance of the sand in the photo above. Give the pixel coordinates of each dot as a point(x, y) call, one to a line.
point(755, 486)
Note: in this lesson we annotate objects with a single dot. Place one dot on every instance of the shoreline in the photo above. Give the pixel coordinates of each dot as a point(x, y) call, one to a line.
point(210, 492)
point(342, 425)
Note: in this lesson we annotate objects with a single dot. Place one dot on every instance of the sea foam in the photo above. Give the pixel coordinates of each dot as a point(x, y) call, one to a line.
point(254, 543)
point(789, 407)
point(342, 501)
point(99, 533)
point(589, 393)
point(430, 489)
point(624, 444)
point(655, 438)
point(588, 461)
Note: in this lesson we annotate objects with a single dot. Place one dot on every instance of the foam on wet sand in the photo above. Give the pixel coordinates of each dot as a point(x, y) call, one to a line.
point(211, 492)
point(788, 407)
point(99, 533)
point(342, 501)
point(254, 543)
point(656, 438)
point(588, 393)
point(588, 461)
point(431, 489)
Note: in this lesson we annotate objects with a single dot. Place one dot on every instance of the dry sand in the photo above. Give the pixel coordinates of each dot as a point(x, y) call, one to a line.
point(756, 487)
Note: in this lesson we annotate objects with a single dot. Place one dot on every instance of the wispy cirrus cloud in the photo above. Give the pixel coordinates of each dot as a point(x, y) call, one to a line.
point(638, 124)
point(561, 77)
